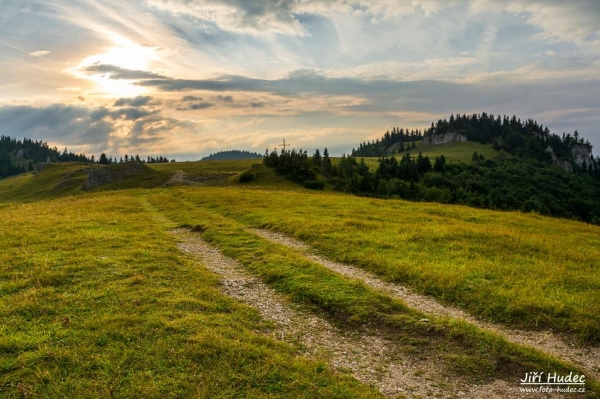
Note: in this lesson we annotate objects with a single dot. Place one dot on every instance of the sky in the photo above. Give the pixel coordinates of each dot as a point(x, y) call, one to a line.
point(185, 78)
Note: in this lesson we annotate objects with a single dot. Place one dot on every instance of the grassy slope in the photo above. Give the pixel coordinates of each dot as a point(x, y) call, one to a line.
point(206, 167)
point(507, 267)
point(61, 179)
point(453, 152)
point(514, 268)
point(96, 301)
point(49, 183)
point(462, 349)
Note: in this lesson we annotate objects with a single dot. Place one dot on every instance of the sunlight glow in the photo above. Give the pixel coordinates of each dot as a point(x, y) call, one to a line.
point(125, 54)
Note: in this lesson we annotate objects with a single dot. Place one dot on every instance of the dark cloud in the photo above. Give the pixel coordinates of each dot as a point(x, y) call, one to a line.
point(74, 126)
point(196, 106)
point(97, 114)
point(298, 83)
point(191, 98)
point(151, 130)
point(131, 114)
point(201, 106)
point(257, 104)
point(66, 124)
point(391, 95)
point(225, 99)
point(249, 14)
point(133, 102)
point(252, 12)
point(116, 72)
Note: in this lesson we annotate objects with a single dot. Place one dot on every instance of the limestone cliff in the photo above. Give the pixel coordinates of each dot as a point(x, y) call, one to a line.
point(581, 154)
point(449, 137)
point(561, 163)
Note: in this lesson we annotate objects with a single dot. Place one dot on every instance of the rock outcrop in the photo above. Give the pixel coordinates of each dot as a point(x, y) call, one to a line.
point(438, 139)
point(561, 163)
point(105, 175)
point(581, 154)
point(21, 154)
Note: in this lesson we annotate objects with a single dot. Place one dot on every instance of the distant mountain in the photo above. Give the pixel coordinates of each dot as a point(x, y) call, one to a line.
point(231, 155)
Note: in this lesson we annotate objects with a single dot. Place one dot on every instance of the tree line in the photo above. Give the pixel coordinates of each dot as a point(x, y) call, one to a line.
point(34, 151)
point(404, 138)
point(524, 179)
point(517, 137)
point(521, 138)
point(231, 155)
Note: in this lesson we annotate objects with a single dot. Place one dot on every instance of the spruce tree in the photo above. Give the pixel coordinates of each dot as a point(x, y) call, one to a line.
point(326, 161)
point(317, 160)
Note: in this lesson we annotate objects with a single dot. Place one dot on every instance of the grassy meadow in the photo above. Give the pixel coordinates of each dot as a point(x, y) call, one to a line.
point(520, 269)
point(453, 152)
point(96, 300)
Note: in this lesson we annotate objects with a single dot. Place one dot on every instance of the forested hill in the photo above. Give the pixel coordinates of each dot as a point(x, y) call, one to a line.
point(525, 138)
point(231, 155)
point(522, 176)
point(18, 156)
point(37, 151)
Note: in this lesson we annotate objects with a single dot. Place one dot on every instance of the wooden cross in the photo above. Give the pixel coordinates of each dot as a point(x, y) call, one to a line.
point(284, 145)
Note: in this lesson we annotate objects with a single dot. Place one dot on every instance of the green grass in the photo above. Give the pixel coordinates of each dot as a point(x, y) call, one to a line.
point(508, 267)
point(62, 179)
point(57, 180)
point(97, 301)
point(453, 152)
point(456, 152)
point(201, 167)
point(518, 269)
point(464, 350)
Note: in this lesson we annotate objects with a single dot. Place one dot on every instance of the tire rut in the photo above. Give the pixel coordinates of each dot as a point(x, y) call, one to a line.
point(562, 347)
point(367, 355)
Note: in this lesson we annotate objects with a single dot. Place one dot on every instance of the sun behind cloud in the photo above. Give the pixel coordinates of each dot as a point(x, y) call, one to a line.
point(124, 54)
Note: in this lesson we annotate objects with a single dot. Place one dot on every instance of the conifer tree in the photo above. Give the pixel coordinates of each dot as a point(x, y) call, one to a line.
point(326, 161)
point(103, 160)
point(317, 159)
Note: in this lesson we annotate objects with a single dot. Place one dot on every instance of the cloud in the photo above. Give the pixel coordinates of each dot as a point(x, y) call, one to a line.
point(198, 106)
point(225, 99)
point(67, 124)
point(191, 98)
point(131, 114)
point(40, 53)
point(558, 20)
point(115, 72)
point(82, 129)
point(133, 102)
point(241, 16)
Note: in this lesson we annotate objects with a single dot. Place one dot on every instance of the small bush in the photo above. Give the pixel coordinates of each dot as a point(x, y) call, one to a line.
point(247, 177)
point(314, 184)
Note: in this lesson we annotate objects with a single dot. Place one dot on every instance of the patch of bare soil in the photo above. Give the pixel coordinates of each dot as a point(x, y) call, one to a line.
point(563, 347)
point(367, 355)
